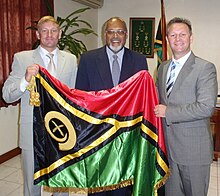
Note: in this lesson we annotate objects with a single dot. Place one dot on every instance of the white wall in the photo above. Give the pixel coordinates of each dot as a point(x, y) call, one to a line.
point(64, 9)
point(9, 129)
point(204, 15)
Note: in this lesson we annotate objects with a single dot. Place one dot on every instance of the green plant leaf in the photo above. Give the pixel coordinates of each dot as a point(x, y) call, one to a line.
point(84, 31)
point(78, 11)
point(86, 23)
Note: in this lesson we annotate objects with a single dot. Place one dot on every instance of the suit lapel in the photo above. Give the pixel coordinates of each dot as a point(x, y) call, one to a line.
point(164, 78)
point(37, 58)
point(60, 64)
point(184, 72)
point(103, 67)
point(127, 68)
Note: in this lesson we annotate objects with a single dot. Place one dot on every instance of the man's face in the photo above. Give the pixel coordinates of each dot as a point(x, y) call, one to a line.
point(115, 35)
point(49, 35)
point(179, 39)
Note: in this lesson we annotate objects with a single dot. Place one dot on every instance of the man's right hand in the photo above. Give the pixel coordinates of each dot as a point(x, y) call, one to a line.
point(31, 70)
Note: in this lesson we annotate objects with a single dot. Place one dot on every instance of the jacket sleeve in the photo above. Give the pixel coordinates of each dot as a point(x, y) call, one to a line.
point(198, 98)
point(11, 89)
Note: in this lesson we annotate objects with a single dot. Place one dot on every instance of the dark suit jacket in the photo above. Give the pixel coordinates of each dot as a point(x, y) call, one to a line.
point(190, 104)
point(94, 72)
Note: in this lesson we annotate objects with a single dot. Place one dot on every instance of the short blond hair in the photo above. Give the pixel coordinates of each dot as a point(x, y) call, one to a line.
point(46, 19)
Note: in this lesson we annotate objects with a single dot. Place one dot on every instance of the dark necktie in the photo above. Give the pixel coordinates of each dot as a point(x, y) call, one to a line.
point(115, 70)
point(171, 79)
point(51, 66)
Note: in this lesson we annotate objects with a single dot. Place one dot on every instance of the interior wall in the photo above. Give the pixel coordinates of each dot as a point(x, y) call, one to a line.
point(91, 16)
point(203, 14)
point(9, 128)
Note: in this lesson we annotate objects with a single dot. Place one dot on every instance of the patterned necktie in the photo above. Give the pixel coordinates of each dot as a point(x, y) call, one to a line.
point(51, 66)
point(115, 70)
point(171, 79)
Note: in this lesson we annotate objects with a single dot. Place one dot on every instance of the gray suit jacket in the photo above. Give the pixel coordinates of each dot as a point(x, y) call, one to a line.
point(66, 73)
point(191, 102)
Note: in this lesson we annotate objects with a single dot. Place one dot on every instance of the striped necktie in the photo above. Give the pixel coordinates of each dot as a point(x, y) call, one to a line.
point(115, 70)
point(51, 65)
point(171, 79)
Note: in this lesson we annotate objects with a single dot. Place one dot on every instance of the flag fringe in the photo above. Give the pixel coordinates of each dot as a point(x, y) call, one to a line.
point(161, 182)
point(122, 184)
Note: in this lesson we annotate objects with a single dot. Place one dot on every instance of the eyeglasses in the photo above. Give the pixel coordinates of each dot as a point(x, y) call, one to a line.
point(119, 32)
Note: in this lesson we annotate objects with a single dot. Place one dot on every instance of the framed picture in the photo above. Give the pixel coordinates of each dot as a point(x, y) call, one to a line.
point(141, 35)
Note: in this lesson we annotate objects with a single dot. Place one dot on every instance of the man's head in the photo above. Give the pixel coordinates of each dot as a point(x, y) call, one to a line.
point(179, 35)
point(115, 33)
point(48, 32)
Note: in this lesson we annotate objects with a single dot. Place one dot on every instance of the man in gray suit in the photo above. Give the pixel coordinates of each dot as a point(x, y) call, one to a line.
point(25, 65)
point(187, 100)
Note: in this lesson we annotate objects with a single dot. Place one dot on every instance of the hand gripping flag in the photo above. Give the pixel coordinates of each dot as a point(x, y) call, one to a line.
point(86, 142)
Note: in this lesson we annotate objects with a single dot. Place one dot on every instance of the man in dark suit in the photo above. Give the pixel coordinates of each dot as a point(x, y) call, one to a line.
point(188, 97)
point(96, 67)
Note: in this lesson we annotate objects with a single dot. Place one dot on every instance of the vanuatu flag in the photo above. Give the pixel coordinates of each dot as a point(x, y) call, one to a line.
point(86, 142)
point(160, 44)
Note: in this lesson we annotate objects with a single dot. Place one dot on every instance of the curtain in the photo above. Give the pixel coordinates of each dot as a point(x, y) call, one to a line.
point(15, 17)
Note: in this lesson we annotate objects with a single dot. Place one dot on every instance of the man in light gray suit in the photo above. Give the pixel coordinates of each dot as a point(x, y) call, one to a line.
point(25, 65)
point(187, 100)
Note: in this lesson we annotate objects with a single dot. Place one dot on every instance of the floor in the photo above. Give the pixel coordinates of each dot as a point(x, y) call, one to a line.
point(11, 178)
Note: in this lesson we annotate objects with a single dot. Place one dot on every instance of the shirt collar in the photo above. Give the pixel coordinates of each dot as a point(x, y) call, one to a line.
point(119, 54)
point(182, 60)
point(44, 52)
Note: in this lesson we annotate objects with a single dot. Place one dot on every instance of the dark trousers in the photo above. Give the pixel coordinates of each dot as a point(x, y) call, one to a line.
point(126, 191)
point(161, 191)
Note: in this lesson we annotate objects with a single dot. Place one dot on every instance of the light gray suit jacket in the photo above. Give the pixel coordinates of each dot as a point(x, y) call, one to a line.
point(66, 73)
point(191, 102)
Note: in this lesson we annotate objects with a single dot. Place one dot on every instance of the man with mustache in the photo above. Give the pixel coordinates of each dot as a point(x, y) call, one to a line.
point(96, 72)
point(95, 67)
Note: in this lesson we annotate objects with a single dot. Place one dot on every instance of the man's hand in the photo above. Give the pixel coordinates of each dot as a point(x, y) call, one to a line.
point(31, 70)
point(160, 110)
